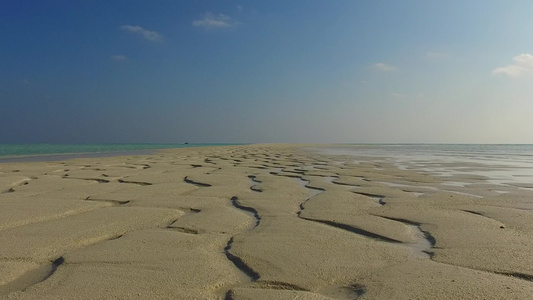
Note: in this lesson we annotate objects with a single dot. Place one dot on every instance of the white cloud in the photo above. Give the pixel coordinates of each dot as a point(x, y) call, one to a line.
point(118, 57)
point(384, 67)
point(146, 34)
point(210, 20)
point(523, 64)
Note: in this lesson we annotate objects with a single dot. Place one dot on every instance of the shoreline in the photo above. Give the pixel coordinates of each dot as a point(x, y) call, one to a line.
point(47, 157)
point(68, 156)
point(258, 222)
point(113, 150)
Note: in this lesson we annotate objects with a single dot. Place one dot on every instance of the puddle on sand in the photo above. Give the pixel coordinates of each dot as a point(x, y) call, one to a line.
point(330, 179)
point(455, 183)
point(502, 192)
point(422, 246)
point(397, 185)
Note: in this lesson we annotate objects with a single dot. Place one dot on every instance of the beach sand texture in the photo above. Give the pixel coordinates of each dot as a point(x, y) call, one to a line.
point(257, 222)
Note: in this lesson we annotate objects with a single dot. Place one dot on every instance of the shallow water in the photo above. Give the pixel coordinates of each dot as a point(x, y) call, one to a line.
point(494, 164)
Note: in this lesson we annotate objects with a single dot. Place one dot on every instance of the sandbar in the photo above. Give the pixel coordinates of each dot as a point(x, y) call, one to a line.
point(265, 221)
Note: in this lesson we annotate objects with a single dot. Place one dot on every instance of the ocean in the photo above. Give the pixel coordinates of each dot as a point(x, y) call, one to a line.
point(50, 152)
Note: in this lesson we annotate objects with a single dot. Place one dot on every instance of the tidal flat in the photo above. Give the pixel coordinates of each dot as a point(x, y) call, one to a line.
point(265, 221)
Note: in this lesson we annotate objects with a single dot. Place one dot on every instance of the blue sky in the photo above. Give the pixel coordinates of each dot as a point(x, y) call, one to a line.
point(266, 71)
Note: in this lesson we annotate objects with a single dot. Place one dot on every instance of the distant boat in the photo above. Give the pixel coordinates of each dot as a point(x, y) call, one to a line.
point(186, 143)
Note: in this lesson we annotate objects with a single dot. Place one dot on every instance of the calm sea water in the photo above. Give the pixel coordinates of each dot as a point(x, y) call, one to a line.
point(478, 151)
point(501, 164)
point(42, 152)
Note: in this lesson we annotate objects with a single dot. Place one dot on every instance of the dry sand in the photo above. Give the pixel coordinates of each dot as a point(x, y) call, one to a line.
point(257, 222)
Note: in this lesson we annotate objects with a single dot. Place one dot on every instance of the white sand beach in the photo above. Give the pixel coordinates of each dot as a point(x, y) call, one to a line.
point(269, 221)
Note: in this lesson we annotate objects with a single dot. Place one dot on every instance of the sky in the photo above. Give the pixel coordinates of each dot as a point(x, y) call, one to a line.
point(110, 71)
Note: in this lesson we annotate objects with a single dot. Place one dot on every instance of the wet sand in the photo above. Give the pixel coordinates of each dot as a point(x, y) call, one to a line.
point(258, 222)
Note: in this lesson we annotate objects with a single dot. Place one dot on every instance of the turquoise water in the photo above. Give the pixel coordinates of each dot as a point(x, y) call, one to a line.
point(14, 150)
